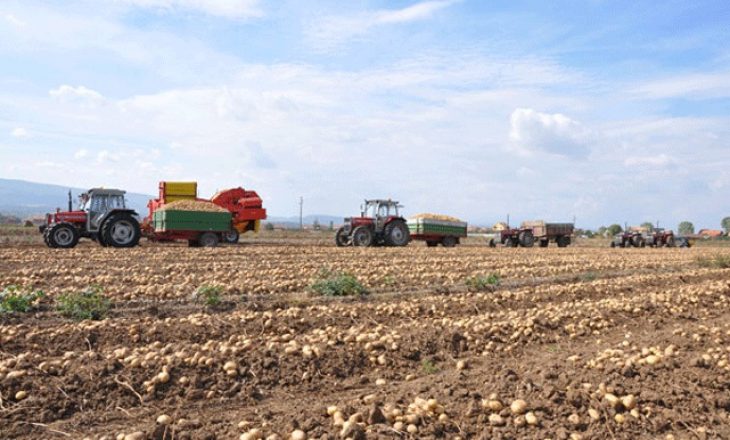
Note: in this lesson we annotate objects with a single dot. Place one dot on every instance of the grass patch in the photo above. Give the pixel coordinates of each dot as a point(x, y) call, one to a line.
point(16, 299)
point(87, 304)
point(209, 295)
point(481, 283)
point(429, 367)
point(334, 283)
point(714, 262)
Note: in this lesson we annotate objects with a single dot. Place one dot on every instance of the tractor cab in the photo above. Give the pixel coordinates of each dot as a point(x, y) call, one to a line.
point(380, 223)
point(102, 215)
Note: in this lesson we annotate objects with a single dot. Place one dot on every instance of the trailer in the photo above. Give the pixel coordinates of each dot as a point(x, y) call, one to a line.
point(198, 228)
point(448, 233)
point(544, 233)
point(531, 232)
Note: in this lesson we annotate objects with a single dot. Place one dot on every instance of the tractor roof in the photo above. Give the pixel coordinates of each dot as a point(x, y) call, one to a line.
point(109, 191)
point(382, 201)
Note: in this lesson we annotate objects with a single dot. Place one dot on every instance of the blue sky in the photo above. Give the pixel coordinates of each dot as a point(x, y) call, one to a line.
point(609, 111)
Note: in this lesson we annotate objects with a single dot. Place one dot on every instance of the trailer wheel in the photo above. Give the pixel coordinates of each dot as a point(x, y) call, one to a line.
point(231, 237)
point(342, 239)
point(362, 236)
point(448, 241)
point(63, 235)
point(431, 243)
point(562, 241)
point(526, 239)
point(208, 239)
point(544, 243)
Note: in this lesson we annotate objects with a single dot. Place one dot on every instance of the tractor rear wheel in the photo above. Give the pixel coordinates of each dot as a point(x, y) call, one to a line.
point(208, 239)
point(396, 233)
point(120, 231)
point(449, 241)
point(342, 239)
point(526, 239)
point(63, 235)
point(362, 236)
point(231, 237)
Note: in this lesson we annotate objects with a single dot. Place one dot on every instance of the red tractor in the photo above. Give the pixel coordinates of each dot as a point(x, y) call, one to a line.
point(379, 224)
point(102, 216)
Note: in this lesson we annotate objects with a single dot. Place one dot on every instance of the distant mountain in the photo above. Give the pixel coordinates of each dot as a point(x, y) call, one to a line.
point(293, 222)
point(24, 199)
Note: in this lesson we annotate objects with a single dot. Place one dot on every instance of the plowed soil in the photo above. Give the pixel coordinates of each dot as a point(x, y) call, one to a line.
point(598, 343)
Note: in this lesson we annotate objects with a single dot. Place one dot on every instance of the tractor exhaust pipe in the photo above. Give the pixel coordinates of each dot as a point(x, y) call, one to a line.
point(70, 204)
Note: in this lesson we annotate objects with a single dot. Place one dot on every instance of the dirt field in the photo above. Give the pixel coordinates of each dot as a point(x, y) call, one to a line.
point(573, 343)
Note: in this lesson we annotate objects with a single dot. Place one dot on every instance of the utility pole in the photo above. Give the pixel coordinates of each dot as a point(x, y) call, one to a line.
point(301, 211)
point(508, 219)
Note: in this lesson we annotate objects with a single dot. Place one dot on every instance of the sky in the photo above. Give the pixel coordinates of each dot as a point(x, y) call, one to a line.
point(602, 111)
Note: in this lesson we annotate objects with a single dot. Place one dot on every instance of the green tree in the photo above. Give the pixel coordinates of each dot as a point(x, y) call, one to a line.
point(614, 229)
point(686, 228)
point(269, 226)
point(602, 230)
point(726, 224)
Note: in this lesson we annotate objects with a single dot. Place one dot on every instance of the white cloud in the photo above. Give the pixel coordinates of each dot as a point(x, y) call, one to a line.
point(105, 157)
point(656, 161)
point(20, 133)
point(15, 21)
point(695, 86)
point(80, 94)
point(81, 154)
point(329, 32)
point(232, 9)
point(532, 131)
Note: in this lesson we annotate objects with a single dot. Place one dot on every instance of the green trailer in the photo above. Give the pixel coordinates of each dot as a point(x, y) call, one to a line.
point(199, 228)
point(433, 231)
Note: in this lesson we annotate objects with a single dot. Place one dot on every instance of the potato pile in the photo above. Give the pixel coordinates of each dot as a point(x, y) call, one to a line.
point(441, 217)
point(192, 205)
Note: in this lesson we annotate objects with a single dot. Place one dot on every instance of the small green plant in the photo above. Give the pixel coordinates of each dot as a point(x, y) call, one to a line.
point(429, 367)
point(16, 299)
point(587, 277)
point(210, 295)
point(715, 262)
point(87, 304)
point(483, 282)
point(333, 283)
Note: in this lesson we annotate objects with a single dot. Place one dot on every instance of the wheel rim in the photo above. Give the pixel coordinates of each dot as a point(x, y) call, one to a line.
point(63, 237)
point(230, 236)
point(397, 235)
point(122, 232)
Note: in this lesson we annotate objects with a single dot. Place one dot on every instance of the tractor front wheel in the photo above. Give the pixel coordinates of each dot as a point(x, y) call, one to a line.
point(492, 243)
point(63, 235)
point(362, 236)
point(342, 238)
point(510, 243)
point(120, 231)
point(396, 233)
